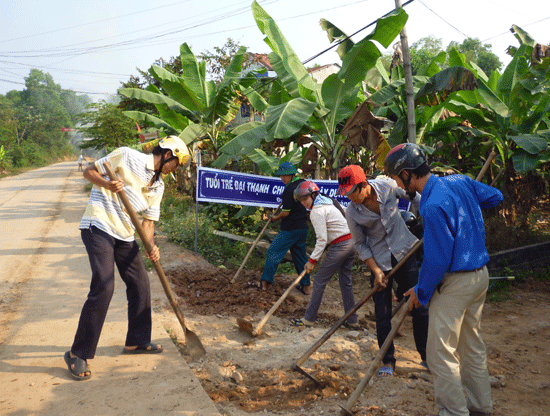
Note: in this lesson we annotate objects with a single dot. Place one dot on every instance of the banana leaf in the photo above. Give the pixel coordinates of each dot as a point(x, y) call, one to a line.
point(283, 120)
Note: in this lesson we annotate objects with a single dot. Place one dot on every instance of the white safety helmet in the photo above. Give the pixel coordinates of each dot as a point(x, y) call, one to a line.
point(179, 149)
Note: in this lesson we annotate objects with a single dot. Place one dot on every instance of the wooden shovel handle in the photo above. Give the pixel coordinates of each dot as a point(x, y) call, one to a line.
point(276, 305)
point(253, 246)
point(376, 362)
point(344, 318)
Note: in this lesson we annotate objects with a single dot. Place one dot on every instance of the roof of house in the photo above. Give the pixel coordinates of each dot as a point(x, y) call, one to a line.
point(318, 68)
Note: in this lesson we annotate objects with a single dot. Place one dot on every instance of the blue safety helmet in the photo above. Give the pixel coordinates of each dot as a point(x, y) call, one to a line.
point(286, 168)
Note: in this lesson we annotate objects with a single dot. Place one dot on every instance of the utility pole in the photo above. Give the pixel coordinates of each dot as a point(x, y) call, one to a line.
point(411, 123)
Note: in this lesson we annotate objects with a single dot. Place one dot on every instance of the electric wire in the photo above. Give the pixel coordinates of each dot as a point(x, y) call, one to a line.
point(217, 18)
point(458, 30)
point(528, 24)
point(92, 23)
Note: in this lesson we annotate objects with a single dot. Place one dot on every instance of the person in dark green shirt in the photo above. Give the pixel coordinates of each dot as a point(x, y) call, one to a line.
point(293, 234)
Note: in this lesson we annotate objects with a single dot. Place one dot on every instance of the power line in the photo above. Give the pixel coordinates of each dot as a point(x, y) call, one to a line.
point(507, 32)
point(64, 51)
point(45, 87)
point(92, 23)
point(458, 30)
point(213, 19)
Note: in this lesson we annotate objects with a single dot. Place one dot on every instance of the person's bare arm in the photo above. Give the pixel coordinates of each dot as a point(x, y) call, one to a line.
point(280, 216)
point(149, 228)
point(379, 276)
point(91, 174)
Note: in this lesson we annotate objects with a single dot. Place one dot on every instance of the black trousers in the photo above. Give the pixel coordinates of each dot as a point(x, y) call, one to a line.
point(104, 252)
point(406, 277)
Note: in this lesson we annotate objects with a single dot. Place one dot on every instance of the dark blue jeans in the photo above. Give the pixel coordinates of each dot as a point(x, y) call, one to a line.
point(406, 277)
point(295, 241)
point(104, 252)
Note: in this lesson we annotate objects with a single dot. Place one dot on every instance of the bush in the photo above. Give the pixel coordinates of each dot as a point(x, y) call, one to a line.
point(215, 249)
point(178, 222)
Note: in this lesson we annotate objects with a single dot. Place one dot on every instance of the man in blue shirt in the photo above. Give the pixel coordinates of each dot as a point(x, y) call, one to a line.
point(453, 278)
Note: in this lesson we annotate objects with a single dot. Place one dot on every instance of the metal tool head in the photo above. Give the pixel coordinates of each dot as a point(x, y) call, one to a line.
point(299, 369)
point(345, 411)
point(246, 326)
point(194, 344)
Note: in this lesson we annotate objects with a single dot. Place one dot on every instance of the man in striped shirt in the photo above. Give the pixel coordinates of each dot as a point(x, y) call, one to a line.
point(108, 234)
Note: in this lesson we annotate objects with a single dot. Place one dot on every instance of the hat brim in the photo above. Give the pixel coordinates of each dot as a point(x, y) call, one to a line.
point(346, 190)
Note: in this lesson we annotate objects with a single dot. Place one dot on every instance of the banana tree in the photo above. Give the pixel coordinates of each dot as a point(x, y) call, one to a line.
point(298, 105)
point(463, 113)
point(515, 108)
point(190, 106)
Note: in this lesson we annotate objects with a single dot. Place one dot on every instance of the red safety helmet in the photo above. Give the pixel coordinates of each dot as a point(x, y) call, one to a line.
point(306, 188)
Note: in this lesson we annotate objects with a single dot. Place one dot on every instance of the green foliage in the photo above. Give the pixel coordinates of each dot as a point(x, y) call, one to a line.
point(31, 122)
point(298, 105)
point(190, 106)
point(215, 249)
point(423, 51)
point(223, 217)
point(218, 61)
point(499, 289)
point(110, 128)
point(478, 53)
point(4, 162)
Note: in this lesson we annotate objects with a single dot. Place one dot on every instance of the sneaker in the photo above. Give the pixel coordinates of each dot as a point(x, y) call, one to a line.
point(352, 326)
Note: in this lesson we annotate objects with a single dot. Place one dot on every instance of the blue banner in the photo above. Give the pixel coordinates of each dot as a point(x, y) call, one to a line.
point(227, 187)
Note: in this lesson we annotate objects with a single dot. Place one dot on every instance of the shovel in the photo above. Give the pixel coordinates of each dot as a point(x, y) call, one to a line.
point(253, 246)
point(192, 341)
point(296, 366)
point(247, 326)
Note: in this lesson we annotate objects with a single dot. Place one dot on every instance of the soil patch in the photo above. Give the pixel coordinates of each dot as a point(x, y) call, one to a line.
point(253, 376)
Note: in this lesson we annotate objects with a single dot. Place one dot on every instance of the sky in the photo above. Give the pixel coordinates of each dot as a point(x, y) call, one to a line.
point(92, 47)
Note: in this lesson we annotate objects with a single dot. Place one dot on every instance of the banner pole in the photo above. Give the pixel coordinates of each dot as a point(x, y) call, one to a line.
point(198, 164)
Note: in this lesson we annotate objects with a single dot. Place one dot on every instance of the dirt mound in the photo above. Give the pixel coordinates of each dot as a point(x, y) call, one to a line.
point(209, 291)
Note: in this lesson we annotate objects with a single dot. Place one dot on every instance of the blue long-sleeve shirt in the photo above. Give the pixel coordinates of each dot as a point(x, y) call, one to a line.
point(454, 232)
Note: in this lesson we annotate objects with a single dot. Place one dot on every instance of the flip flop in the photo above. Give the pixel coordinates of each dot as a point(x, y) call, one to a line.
point(385, 371)
point(144, 349)
point(80, 366)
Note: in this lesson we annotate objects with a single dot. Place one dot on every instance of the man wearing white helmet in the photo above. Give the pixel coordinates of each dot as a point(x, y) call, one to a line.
point(108, 235)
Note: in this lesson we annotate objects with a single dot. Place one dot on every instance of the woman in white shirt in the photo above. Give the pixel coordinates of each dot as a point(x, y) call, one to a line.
point(331, 229)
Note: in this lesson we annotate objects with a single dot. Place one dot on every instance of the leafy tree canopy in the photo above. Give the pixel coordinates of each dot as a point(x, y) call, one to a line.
point(218, 60)
point(108, 127)
point(424, 51)
point(478, 53)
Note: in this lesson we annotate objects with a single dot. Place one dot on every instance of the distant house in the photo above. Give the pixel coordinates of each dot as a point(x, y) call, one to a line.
point(247, 112)
point(320, 73)
point(261, 61)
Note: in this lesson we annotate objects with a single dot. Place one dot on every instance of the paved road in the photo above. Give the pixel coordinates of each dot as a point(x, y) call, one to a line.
point(44, 279)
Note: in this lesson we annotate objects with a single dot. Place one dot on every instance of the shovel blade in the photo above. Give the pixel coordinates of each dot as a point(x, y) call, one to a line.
point(194, 344)
point(246, 326)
